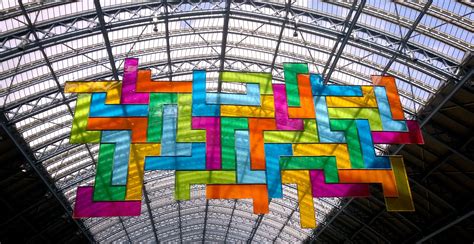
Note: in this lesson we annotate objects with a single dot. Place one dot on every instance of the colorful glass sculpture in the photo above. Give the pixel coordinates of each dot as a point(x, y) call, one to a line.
point(320, 137)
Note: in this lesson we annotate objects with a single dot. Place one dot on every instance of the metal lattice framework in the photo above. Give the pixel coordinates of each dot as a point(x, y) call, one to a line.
point(43, 45)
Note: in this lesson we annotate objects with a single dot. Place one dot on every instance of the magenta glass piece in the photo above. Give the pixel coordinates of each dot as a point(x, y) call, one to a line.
point(85, 207)
point(212, 125)
point(283, 122)
point(323, 189)
point(413, 136)
point(129, 84)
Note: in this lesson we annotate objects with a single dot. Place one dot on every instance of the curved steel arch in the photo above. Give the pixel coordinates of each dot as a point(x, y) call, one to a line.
point(197, 58)
point(443, 67)
point(216, 14)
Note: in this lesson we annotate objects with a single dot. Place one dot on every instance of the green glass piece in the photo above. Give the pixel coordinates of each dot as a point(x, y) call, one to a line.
point(79, 132)
point(263, 79)
point(184, 132)
point(155, 117)
point(326, 163)
point(103, 189)
point(228, 127)
point(370, 114)
point(352, 140)
point(291, 71)
point(184, 180)
point(308, 135)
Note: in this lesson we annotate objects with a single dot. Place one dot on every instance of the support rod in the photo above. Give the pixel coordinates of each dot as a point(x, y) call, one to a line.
point(225, 31)
point(150, 214)
point(167, 37)
point(344, 41)
point(404, 41)
point(105, 35)
point(315, 233)
point(285, 21)
point(334, 48)
point(445, 227)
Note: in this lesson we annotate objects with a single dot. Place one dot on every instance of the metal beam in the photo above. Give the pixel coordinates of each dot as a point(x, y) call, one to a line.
point(125, 230)
point(467, 215)
point(180, 226)
point(461, 155)
point(425, 121)
point(286, 222)
point(134, 22)
point(354, 59)
point(458, 86)
point(272, 67)
point(225, 31)
point(334, 48)
point(318, 231)
point(4, 120)
point(100, 16)
point(167, 37)
point(285, 21)
point(255, 228)
point(400, 216)
point(205, 222)
point(445, 160)
point(367, 225)
point(433, 194)
point(372, 47)
point(45, 179)
point(344, 41)
point(230, 221)
point(150, 214)
point(404, 41)
point(48, 63)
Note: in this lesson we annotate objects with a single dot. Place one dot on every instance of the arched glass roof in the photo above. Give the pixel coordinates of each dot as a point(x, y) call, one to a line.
point(43, 44)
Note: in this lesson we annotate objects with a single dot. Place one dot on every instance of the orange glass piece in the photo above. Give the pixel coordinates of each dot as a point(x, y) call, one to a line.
point(145, 84)
point(257, 148)
point(392, 94)
point(382, 176)
point(257, 192)
point(306, 109)
point(138, 126)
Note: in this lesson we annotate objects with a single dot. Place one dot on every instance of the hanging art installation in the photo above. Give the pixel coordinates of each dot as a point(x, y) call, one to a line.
point(316, 136)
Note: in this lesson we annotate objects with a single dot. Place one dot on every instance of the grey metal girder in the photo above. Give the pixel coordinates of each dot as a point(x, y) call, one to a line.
point(344, 41)
point(127, 23)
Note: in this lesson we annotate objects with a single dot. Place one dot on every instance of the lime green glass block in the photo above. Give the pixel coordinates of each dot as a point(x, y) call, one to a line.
point(352, 140)
point(327, 164)
point(79, 132)
point(370, 114)
point(184, 180)
point(155, 116)
point(103, 189)
point(308, 135)
point(184, 132)
point(291, 71)
point(228, 127)
point(263, 79)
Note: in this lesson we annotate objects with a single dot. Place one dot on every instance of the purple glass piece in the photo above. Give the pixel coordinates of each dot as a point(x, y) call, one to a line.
point(283, 122)
point(323, 189)
point(129, 84)
point(413, 136)
point(85, 207)
point(212, 125)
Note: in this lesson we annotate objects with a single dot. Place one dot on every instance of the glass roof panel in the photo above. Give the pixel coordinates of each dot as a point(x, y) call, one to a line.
point(69, 34)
